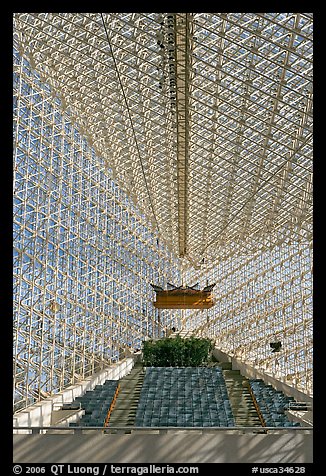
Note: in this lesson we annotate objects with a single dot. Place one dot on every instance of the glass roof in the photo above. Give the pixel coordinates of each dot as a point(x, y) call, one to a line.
point(206, 118)
point(144, 137)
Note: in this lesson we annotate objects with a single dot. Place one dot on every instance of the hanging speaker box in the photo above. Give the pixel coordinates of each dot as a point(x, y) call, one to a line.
point(184, 298)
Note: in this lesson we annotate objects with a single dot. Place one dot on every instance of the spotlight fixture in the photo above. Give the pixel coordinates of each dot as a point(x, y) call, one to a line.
point(276, 346)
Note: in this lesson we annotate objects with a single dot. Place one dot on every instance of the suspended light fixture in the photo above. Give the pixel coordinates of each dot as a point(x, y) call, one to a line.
point(183, 297)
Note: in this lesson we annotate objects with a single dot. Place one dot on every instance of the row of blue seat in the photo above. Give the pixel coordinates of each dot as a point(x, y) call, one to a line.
point(184, 396)
point(272, 404)
point(96, 404)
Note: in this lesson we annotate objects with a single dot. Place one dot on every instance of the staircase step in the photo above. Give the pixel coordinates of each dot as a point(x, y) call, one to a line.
point(225, 365)
point(242, 406)
point(125, 410)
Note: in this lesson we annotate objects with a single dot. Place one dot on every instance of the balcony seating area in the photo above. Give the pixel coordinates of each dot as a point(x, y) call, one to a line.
point(272, 403)
point(96, 404)
point(184, 397)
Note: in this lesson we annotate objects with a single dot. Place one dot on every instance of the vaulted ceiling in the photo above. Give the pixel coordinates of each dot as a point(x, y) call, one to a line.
point(205, 118)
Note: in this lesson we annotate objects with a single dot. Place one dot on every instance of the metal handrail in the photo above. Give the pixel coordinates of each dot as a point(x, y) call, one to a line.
point(141, 429)
point(106, 421)
point(260, 415)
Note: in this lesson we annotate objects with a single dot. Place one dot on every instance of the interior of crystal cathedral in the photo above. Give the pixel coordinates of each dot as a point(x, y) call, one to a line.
point(162, 231)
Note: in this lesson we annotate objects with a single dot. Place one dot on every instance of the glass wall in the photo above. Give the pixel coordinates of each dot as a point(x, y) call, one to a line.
point(262, 297)
point(84, 256)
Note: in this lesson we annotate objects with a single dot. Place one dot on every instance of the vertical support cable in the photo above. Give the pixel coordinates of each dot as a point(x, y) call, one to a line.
point(182, 51)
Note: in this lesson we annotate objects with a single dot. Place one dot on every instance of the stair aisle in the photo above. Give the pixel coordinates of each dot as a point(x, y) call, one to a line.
point(243, 408)
point(124, 411)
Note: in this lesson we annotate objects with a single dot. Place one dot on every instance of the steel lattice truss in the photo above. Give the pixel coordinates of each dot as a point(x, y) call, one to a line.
point(242, 113)
point(263, 296)
point(205, 121)
point(84, 257)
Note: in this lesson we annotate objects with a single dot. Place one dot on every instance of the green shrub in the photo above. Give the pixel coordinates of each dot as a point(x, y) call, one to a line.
point(177, 352)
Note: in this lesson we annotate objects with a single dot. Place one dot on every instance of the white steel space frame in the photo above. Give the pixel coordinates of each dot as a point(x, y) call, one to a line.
point(170, 147)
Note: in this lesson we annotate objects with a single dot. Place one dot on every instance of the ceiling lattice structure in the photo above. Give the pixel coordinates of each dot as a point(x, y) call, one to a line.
point(160, 148)
point(206, 118)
